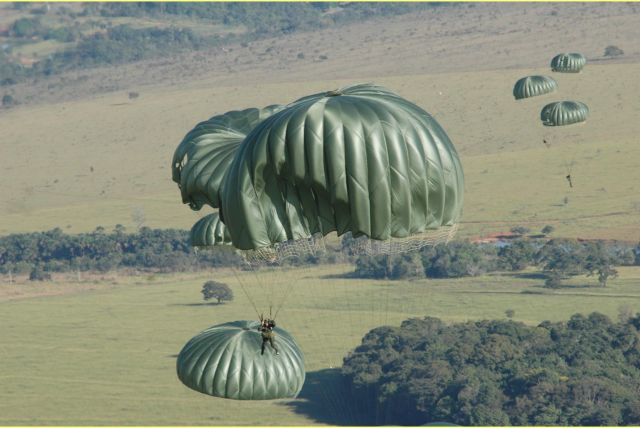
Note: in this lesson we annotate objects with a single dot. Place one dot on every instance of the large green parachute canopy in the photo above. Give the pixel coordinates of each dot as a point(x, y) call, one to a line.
point(209, 231)
point(568, 63)
point(564, 113)
point(225, 361)
point(361, 160)
point(532, 86)
point(201, 159)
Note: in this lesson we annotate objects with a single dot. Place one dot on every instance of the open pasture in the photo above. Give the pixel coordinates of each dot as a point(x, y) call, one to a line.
point(107, 356)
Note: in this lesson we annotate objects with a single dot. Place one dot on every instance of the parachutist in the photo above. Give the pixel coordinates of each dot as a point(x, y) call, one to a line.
point(569, 180)
point(266, 331)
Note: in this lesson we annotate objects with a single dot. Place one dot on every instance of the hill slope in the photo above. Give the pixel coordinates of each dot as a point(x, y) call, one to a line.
point(102, 159)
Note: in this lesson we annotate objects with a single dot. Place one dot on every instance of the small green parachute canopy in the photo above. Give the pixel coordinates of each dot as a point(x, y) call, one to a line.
point(532, 86)
point(360, 160)
point(209, 231)
point(225, 361)
point(201, 159)
point(568, 63)
point(564, 113)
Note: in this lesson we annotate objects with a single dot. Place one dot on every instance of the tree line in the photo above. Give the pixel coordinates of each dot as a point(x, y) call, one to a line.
point(582, 372)
point(168, 250)
point(558, 259)
point(165, 250)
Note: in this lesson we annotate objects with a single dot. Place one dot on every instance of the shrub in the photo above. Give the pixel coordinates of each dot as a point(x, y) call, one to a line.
point(38, 274)
point(520, 230)
point(612, 50)
point(547, 229)
point(8, 101)
point(26, 27)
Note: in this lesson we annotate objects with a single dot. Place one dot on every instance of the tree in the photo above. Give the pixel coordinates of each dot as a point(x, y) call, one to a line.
point(38, 274)
point(547, 229)
point(561, 259)
point(371, 267)
point(8, 101)
point(405, 266)
point(399, 266)
point(217, 290)
point(553, 280)
point(26, 27)
point(598, 262)
point(457, 259)
point(612, 50)
point(517, 255)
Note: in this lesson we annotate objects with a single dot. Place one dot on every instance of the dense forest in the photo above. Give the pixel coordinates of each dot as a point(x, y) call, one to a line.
point(582, 372)
point(95, 41)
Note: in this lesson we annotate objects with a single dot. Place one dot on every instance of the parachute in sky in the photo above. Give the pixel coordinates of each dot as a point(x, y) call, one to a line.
point(533, 86)
point(209, 231)
point(568, 63)
point(360, 160)
point(225, 361)
point(564, 113)
point(201, 159)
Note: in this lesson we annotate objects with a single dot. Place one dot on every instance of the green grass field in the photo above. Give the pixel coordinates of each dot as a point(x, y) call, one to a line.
point(107, 356)
point(511, 178)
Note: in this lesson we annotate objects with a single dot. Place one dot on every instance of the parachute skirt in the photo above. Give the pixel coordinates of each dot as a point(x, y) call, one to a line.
point(225, 361)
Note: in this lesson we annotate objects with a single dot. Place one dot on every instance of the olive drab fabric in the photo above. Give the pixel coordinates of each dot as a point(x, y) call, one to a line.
point(361, 159)
point(225, 361)
point(533, 86)
point(209, 231)
point(564, 113)
point(201, 159)
point(568, 62)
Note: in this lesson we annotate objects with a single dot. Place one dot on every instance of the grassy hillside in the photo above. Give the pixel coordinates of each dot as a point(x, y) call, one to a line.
point(107, 356)
point(452, 38)
point(96, 157)
point(99, 161)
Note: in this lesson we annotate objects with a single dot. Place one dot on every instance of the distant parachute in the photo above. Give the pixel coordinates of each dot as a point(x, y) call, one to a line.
point(568, 63)
point(360, 160)
point(225, 361)
point(201, 159)
point(209, 231)
point(564, 113)
point(532, 86)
